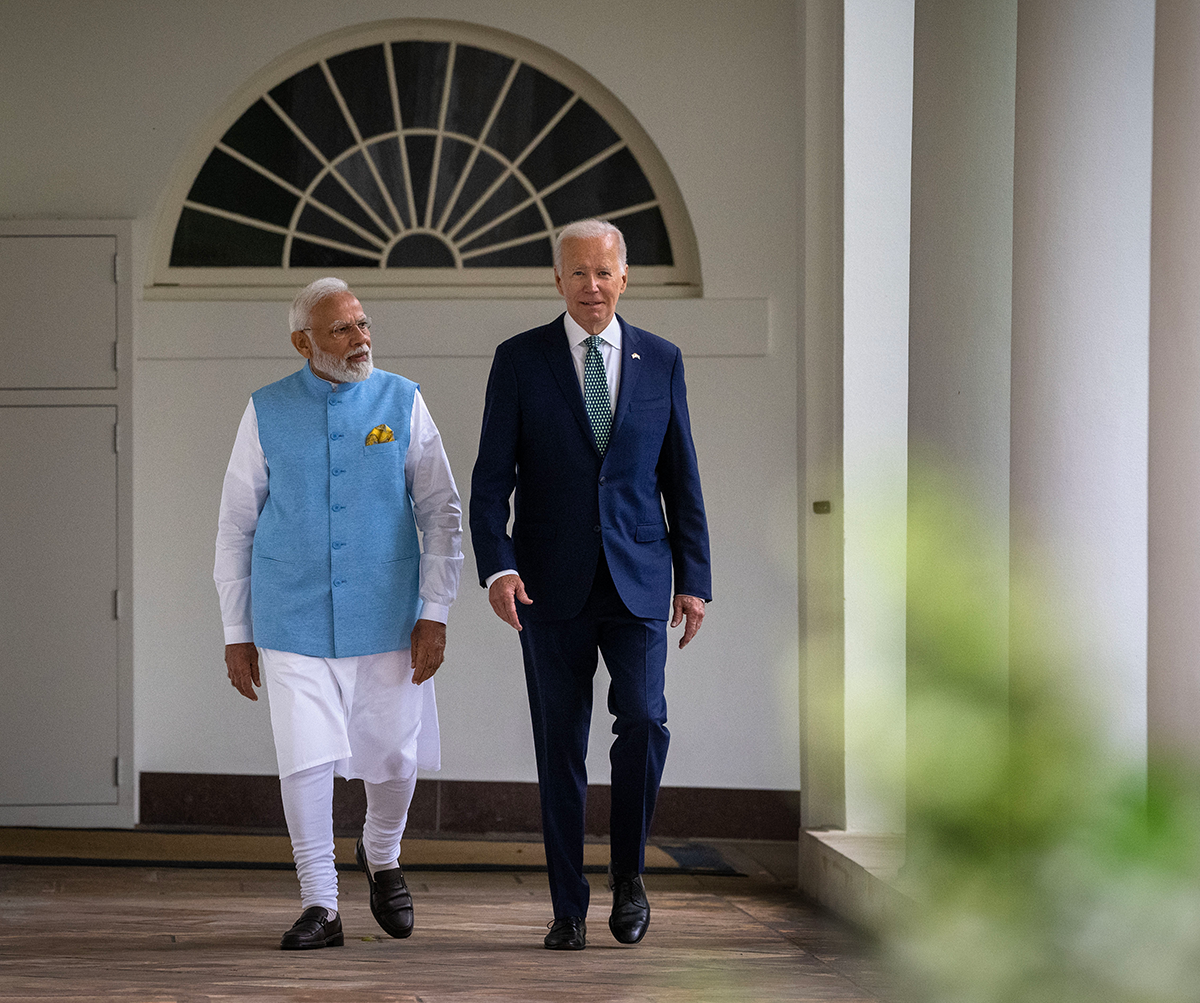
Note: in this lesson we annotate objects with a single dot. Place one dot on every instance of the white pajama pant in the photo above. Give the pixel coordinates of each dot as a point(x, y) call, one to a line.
point(361, 717)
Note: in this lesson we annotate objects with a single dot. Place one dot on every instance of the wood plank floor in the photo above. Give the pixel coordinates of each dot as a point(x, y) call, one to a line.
point(155, 935)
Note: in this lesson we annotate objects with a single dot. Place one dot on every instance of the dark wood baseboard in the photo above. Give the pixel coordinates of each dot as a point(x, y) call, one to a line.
point(462, 807)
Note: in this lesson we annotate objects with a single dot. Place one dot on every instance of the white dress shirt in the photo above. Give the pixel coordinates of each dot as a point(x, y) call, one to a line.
point(436, 509)
point(610, 354)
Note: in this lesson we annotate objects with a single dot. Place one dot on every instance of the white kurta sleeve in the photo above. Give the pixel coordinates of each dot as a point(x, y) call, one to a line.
point(242, 499)
point(438, 513)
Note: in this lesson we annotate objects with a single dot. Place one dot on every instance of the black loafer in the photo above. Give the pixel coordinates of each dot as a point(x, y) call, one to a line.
point(631, 910)
point(391, 903)
point(313, 929)
point(567, 934)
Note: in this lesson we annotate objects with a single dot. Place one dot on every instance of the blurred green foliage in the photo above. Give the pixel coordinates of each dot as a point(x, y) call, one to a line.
point(1044, 867)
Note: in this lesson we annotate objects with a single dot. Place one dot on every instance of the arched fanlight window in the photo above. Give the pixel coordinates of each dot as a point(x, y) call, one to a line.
point(418, 154)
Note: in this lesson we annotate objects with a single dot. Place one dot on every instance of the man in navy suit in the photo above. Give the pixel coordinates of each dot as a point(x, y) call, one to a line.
point(587, 419)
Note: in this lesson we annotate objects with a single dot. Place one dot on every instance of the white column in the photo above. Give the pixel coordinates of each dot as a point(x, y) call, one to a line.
point(960, 344)
point(1174, 587)
point(1081, 249)
point(877, 150)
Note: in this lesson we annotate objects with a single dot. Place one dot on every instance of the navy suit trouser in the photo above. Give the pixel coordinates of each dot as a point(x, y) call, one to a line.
point(560, 663)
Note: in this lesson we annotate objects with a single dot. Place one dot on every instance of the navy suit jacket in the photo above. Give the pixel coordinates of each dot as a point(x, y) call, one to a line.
point(642, 498)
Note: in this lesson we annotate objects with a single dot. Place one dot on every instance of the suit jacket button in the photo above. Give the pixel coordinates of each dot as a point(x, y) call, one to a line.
point(595, 529)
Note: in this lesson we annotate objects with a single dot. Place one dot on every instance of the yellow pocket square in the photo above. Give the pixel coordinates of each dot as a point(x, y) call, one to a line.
point(380, 433)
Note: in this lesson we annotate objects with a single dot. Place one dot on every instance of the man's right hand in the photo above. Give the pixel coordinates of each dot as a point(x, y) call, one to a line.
point(503, 595)
point(241, 663)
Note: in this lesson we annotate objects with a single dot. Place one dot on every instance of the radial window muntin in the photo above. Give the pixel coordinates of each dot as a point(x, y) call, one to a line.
point(381, 227)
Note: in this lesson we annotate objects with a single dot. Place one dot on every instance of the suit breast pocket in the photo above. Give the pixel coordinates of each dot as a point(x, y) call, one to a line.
point(644, 425)
point(381, 450)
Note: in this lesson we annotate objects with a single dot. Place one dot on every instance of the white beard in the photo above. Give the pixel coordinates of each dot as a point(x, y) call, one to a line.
point(339, 369)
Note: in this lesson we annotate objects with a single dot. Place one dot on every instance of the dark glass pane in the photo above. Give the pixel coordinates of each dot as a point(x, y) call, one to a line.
point(388, 162)
point(646, 240)
point(307, 101)
point(484, 171)
point(306, 255)
point(474, 86)
point(263, 137)
point(615, 183)
point(358, 175)
point(527, 221)
point(420, 77)
point(420, 250)
point(353, 189)
point(315, 222)
point(226, 183)
point(420, 166)
point(579, 135)
point(509, 195)
point(204, 241)
point(535, 254)
point(361, 76)
point(531, 102)
point(453, 161)
point(331, 193)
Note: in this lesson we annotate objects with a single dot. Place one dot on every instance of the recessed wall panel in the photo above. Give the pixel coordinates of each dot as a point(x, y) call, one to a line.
point(62, 299)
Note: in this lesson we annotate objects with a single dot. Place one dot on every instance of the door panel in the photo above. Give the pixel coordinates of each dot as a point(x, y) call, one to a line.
point(59, 657)
point(61, 291)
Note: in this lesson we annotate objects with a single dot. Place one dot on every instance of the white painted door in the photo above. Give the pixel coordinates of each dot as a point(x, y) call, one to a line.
point(60, 712)
point(58, 496)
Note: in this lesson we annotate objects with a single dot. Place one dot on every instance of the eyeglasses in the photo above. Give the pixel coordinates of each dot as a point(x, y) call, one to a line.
point(341, 328)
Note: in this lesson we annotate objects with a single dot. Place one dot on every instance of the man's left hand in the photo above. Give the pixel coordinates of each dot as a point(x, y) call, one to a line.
point(428, 649)
point(691, 609)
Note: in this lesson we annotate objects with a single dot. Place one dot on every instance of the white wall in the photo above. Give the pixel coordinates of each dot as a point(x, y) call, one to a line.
point(99, 102)
point(822, 717)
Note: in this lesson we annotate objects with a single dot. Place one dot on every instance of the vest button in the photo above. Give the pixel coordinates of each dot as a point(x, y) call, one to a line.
point(595, 529)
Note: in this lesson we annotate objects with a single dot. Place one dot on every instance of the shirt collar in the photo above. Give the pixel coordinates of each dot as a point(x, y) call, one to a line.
point(577, 335)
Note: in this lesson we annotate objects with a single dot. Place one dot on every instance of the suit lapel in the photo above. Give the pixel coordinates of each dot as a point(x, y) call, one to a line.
point(558, 358)
point(630, 370)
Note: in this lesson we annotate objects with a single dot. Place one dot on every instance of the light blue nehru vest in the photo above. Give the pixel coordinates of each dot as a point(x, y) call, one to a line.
point(336, 562)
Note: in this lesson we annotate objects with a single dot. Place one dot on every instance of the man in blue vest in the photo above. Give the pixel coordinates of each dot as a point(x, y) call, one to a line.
point(587, 420)
point(323, 581)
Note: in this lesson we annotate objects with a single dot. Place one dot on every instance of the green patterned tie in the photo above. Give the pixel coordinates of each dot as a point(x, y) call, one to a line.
point(595, 393)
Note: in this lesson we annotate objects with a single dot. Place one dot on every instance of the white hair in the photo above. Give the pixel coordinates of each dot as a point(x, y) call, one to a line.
point(307, 299)
point(586, 229)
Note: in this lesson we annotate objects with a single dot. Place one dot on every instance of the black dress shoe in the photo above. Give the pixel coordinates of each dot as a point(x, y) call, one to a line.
point(567, 934)
point(630, 916)
point(313, 929)
point(391, 903)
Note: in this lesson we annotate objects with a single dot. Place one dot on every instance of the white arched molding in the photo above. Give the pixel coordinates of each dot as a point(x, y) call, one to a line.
point(374, 225)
